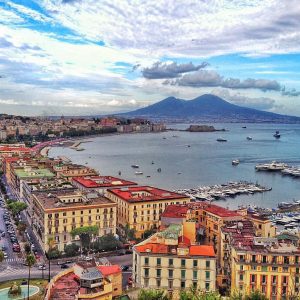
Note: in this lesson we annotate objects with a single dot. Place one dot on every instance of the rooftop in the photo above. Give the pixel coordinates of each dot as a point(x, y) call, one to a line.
point(59, 200)
point(175, 211)
point(49, 184)
point(102, 181)
point(14, 149)
point(144, 194)
point(29, 172)
point(109, 270)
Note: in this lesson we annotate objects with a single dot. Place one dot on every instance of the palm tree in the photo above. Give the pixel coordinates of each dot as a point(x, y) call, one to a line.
point(30, 260)
point(51, 247)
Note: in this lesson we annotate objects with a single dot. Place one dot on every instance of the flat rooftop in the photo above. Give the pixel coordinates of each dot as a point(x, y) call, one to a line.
point(52, 201)
point(145, 194)
point(49, 184)
point(102, 181)
point(28, 172)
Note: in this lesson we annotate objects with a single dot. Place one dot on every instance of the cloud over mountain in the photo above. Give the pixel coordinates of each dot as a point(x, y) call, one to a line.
point(160, 70)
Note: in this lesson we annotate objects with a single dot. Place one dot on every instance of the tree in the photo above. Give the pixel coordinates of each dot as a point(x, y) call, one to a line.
point(1, 256)
point(72, 249)
point(16, 207)
point(22, 227)
point(107, 243)
point(129, 233)
point(27, 248)
point(194, 294)
point(153, 295)
point(85, 233)
point(30, 260)
point(256, 295)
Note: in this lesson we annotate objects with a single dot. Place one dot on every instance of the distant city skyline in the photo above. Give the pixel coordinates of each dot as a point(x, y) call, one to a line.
point(84, 57)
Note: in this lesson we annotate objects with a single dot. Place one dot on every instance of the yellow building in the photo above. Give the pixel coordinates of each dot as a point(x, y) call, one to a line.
point(263, 226)
point(57, 213)
point(168, 260)
point(266, 265)
point(141, 206)
point(212, 217)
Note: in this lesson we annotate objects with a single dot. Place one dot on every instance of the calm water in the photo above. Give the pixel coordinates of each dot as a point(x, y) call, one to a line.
point(205, 162)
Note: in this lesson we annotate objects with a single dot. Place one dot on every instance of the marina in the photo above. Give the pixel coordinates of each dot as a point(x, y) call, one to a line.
point(223, 191)
point(283, 168)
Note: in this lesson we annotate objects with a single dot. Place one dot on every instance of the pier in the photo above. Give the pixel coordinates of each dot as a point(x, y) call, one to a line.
point(223, 191)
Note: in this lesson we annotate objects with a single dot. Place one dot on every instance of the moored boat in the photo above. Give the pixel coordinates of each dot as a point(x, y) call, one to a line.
point(221, 140)
point(235, 162)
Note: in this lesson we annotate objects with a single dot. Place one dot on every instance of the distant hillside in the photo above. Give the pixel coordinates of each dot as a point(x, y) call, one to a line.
point(207, 108)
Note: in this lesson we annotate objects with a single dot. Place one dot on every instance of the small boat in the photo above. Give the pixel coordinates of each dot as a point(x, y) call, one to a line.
point(244, 127)
point(277, 135)
point(138, 173)
point(119, 173)
point(221, 140)
point(188, 146)
point(148, 176)
point(135, 166)
point(79, 149)
point(152, 163)
point(159, 170)
point(164, 138)
point(235, 162)
point(249, 138)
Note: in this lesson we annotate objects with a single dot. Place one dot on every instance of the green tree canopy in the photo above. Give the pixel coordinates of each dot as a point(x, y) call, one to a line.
point(153, 295)
point(85, 230)
point(107, 243)
point(72, 249)
point(16, 207)
point(30, 260)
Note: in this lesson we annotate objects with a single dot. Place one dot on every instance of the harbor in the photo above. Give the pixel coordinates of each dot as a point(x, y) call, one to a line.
point(223, 191)
point(281, 167)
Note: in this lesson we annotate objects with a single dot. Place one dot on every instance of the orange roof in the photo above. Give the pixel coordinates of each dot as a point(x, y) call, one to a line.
point(153, 248)
point(202, 250)
point(109, 270)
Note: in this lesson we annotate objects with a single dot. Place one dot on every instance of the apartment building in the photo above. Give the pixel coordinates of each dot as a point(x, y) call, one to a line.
point(141, 206)
point(57, 213)
point(171, 261)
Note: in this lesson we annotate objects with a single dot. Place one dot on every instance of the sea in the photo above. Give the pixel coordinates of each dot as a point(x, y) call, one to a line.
point(194, 159)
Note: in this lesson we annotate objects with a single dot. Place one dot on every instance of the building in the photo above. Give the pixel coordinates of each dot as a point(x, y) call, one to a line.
point(114, 275)
point(266, 265)
point(175, 214)
point(263, 226)
point(69, 170)
point(100, 183)
point(28, 172)
point(168, 260)
point(56, 214)
point(140, 207)
point(212, 218)
point(84, 280)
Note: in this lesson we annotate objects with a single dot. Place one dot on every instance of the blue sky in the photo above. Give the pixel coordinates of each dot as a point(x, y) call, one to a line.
point(85, 57)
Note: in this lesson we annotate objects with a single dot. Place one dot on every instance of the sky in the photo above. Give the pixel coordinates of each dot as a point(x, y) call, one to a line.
point(87, 57)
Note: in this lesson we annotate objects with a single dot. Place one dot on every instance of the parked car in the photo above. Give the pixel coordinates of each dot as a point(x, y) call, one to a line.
point(64, 266)
point(42, 267)
point(87, 258)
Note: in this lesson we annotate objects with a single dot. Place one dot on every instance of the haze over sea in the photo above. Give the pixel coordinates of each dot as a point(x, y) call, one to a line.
point(205, 162)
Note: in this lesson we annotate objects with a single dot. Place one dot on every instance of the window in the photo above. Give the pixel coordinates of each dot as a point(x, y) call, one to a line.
point(183, 274)
point(146, 260)
point(286, 260)
point(170, 261)
point(207, 264)
point(195, 275)
point(182, 284)
point(64, 214)
point(81, 212)
point(183, 262)
point(170, 284)
point(253, 258)
point(158, 261)
point(241, 277)
point(264, 279)
point(195, 263)
point(274, 269)
point(170, 273)
point(264, 259)
point(207, 275)
point(158, 272)
point(241, 267)
point(146, 282)
point(252, 278)
point(146, 272)
point(158, 282)
point(195, 285)
point(274, 280)
point(207, 286)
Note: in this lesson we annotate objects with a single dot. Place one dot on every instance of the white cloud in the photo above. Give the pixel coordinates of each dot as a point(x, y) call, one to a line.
point(195, 28)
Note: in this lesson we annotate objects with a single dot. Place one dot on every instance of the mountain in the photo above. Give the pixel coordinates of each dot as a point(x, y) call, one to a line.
point(207, 108)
